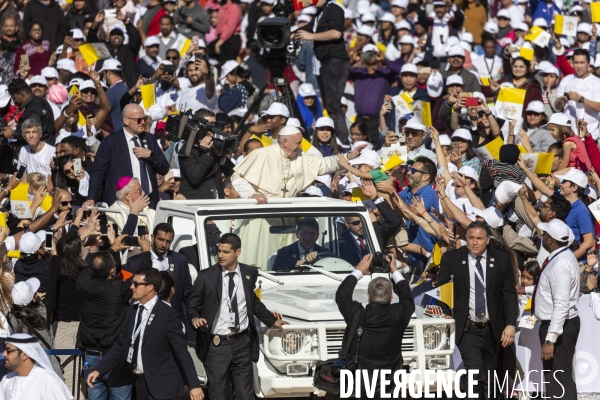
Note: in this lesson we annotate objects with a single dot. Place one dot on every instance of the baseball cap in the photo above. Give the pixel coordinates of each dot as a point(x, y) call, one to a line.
point(388, 17)
point(590, 190)
point(152, 41)
point(445, 140)
point(576, 176)
point(111, 65)
point(439, 3)
point(49, 73)
point(368, 157)
point(550, 69)
point(227, 68)
point(368, 17)
point(584, 27)
point(311, 191)
point(491, 215)
point(456, 51)
point(454, 80)
point(324, 179)
point(435, 85)
point(370, 47)
point(22, 292)
point(559, 119)
point(407, 39)
point(504, 13)
point(38, 80)
point(365, 30)
point(348, 13)
point(303, 18)
point(462, 133)
point(77, 33)
point(277, 108)
point(520, 26)
point(507, 191)
point(400, 3)
point(30, 242)
point(4, 96)
point(558, 230)
point(491, 27)
point(307, 90)
point(295, 122)
point(87, 84)
point(404, 24)
point(409, 69)
point(312, 10)
point(469, 172)
point(66, 64)
point(536, 106)
point(116, 30)
point(325, 122)
point(540, 22)
point(412, 124)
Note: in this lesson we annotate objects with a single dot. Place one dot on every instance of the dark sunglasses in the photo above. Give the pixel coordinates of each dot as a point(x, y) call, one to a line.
point(413, 170)
point(66, 203)
point(136, 284)
point(412, 133)
point(88, 91)
point(533, 113)
point(137, 120)
point(355, 223)
point(8, 351)
point(172, 58)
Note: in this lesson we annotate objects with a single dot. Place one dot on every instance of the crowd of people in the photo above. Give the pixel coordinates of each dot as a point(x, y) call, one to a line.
point(492, 107)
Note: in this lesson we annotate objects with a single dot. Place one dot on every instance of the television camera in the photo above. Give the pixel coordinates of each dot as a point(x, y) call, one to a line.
point(192, 129)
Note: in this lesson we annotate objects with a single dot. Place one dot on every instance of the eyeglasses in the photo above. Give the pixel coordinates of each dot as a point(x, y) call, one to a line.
point(8, 351)
point(533, 113)
point(66, 203)
point(413, 170)
point(137, 120)
point(173, 58)
point(355, 223)
point(88, 91)
point(136, 284)
point(412, 133)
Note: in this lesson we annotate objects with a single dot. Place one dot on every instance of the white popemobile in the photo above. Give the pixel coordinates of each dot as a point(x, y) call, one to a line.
point(305, 296)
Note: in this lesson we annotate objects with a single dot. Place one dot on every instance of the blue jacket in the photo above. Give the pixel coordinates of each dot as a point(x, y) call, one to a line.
point(307, 115)
point(541, 9)
point(114, 95)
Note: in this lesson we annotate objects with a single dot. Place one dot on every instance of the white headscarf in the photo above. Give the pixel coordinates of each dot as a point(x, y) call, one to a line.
point(30, 346)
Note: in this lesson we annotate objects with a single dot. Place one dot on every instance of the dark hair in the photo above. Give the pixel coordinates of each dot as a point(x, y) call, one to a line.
point(582, 52)
point(101, 263)
point(362, 127)
point(479, 225)
point(560, 206)
point(231, 239)
point(309, 222)
point(533, 269)
point(61, 181)
point(249, 142)
point(527, 66)
point(151, 276)
point(36, 23)
point(428, 167)
point(173, 50)
point(75, 142)
point(18, 86)
point(163, 227)
point(168, 283)
point(558, 147)
point(205, 112)
point(333, 146)
point(543, 122)
point(167, 16)
point(68, 250)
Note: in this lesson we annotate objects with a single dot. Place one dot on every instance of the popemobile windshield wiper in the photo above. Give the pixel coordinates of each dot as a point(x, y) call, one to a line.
point(270, 277)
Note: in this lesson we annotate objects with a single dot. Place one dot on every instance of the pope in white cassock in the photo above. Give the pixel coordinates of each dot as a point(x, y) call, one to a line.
point(32, 376)
point(281, 170)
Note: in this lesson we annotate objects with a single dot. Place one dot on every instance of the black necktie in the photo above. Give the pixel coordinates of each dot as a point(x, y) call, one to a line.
point(479, 291)
point(233, 300)
point(136, 344)
point(143, 169)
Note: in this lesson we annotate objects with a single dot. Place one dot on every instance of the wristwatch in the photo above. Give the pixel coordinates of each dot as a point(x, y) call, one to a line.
point(549, 343)
point(581, 99)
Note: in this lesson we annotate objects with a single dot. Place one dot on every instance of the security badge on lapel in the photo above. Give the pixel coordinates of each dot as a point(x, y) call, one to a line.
point(171, 267)
point(491, 262)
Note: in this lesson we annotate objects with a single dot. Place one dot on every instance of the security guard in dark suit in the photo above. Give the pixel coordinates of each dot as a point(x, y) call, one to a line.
point(304, 249)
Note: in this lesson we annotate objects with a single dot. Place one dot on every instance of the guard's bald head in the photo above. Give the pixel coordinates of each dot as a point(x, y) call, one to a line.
point(133, 111)
point(133, 119)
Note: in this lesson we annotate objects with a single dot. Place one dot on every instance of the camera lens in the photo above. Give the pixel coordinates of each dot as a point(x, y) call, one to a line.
point(272, 35)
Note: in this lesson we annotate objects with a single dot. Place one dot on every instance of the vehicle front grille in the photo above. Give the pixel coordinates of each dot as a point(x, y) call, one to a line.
point(336, 336)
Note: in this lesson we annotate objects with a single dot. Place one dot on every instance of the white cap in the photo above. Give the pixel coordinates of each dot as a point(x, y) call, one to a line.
point(565, 42)
point(39, 80)
point(575, 9)
point(536, 106)
point(504, 13)
point(289, 131)
point(491, 215)
point(75, 82)
point(111, 65)
point(117, 27)
point(412, 124)
point(227, 68)
point(201, 44)
point(404, 24)
point(368, 157)
point(360, 143)
point(469, 172)
point(491, 27)
point(507, 191)
point(400, 3)
point(520, 26)
point(303, 18)
point(456, 51)
point(22, 292)
point(30, 242)
point(467, 37)
point(540, 22)
point(409, 69)
point(435, 85)
point(559, 119)
point(542, 65)
point(368, 17)
point(454, 80)
point(59, 50)
point(311, 191)
point(445, 140)
point(277, 108)
point(312, 10)
point(576, 176)
point(348, 13)
point(49, 73)
point(66, 64)
point(324, 179)
point(590, 190)
point(388, 17)
point(407, 39)
point(462, 133)
point(5, 97)
point(77, 33)
point(295, 122)
point(584, 27)
point(550, 69)
point(507, 84)
point(87, 84)
point(558, 230)
point(325, 122)
point(439, 3)
point(307, 90)
point(152, 41)
point(365, 30)
point(370, 47)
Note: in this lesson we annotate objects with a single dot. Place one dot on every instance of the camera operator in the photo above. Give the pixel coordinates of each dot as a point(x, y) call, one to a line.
point(326, 31)
point(201, 170)
point(384, 323)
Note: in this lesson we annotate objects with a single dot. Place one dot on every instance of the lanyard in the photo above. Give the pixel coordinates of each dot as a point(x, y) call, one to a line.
point(235, 286)
point(139, 328)
point(23, 386)
point(490, 70)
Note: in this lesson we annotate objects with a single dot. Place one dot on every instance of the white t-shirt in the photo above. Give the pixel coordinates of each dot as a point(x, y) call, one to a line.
point(588, 88)
point(38, 162)
point(194, 98)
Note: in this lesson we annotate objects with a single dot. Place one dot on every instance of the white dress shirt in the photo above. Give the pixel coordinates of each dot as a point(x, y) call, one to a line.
point(135, 162)
point(472, 277)
point(595, 304)
point(221, 322)
point(557, 291)
point(160, 265)
point(396, 276)
point(145, 320)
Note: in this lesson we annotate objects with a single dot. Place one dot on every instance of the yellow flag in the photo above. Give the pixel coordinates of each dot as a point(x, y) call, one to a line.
point(358, 195)
point(534, 32)
point(3, 219)
point(528, 305)
point(258, 292)
point(595, 11)
point(539, 163)
point(485, 80)
point(93, 52)
point(14, 253)
point(182, 44)
point(381, 47)
point(526, 53)
point(46, 203)
point(21, 192)
point(444, 293)
point(392, 163)
point(82, 120)
point(436, 255)
point(565, 25)
point(264, 139)
point(426, 110)
point(509, 103)
point(74, 92)
point(148, 95)
point(407, 99)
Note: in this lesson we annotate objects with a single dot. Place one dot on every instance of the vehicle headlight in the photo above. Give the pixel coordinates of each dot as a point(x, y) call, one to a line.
point(433, 337)
point(292, 342)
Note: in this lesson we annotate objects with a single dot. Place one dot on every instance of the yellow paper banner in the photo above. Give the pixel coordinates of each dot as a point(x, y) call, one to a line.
point(148, 95)
point(526, 53)
point(264, 139)
point(595, 11)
